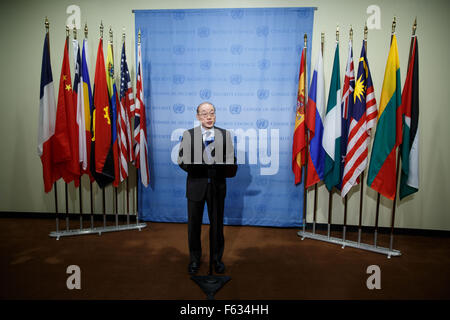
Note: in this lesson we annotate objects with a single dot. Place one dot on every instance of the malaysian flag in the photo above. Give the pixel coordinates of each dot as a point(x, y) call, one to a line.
point(124, 126)
point(140, 128)
point(362, 117)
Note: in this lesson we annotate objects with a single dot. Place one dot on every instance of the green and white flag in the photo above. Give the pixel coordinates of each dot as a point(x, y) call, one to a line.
point(332, 128)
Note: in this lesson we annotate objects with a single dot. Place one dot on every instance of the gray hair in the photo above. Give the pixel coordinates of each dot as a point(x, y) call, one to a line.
point(206, 102)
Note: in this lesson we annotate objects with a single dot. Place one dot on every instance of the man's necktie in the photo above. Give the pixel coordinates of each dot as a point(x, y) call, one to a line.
point(208, 147)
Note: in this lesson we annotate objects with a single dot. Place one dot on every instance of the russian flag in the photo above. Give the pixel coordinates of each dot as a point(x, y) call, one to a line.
point(315, 113)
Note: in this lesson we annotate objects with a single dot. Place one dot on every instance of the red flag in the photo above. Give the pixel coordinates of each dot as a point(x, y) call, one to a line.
point(102, 136)
point(65, 144)
point(102, 162)
point(299, 144)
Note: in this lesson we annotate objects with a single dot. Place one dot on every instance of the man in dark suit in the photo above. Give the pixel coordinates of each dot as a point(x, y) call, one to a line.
point(207, 155)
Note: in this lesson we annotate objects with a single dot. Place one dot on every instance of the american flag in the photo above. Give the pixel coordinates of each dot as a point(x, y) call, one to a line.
point(140, 128)
point(363, 117)
point(126, 101)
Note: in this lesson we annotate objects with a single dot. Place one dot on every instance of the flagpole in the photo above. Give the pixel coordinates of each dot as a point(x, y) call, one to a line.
point(115, 195)
point(81, 170)
point(104, 207)
point(81, 207)
point(378, 198)
point(117, 205)
point(137, 171)
point(103, 189)
point(92, 206)
point(391, 242)
point(56, 206)
point(345, 198)
point(127, 187)
point(305, 190)
point(55, 189)
point(330, 192)
point(322, 41)
point(361, 195)
point(66, 188)
point(90, 182)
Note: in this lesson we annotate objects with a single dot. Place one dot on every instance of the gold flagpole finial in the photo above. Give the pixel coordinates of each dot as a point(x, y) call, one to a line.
point(85, 30)
point(337, 33)
point(322, 41)
point(366, 31)
point(67, 31)
point(74, 32)
point(123, 34)
point(101, 30)
point(110, 35)
point(351, 33)
point(305, 40)
point(394, 24)
point(414, 27)
point(139, 36)
point(47, 25)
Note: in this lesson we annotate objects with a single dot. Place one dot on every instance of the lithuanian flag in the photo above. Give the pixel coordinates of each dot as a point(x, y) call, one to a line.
point(382, 168)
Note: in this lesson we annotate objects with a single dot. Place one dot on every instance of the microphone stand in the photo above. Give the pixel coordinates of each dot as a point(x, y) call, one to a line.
point(211, 283)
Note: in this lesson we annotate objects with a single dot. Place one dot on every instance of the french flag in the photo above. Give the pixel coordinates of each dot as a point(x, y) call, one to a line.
point(315, 113)
point(47, 117)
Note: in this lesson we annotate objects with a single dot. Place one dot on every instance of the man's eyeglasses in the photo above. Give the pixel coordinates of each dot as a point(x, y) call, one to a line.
point(205, 114)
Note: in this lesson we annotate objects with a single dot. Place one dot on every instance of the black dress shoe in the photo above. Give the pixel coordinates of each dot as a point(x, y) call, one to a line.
point(193, 267)
point(219, 267)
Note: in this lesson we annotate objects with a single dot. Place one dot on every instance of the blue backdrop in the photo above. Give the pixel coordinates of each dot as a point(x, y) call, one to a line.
point(246, 62)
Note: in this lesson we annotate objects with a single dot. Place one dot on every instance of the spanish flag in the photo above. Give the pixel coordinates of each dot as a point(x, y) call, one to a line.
point(388, 136)
point(299, 143)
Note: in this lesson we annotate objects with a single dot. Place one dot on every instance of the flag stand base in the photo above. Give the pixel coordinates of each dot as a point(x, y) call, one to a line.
point(210, 284)
point(346, 243)
point(99, 230)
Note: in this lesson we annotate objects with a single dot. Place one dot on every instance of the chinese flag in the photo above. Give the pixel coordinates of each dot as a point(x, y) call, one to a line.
point(65, 143)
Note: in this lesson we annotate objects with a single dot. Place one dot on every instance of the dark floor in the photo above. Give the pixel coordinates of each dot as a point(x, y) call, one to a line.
point(264, 263)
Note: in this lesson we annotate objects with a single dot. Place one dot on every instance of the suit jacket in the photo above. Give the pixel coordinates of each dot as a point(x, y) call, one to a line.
point(192, 159)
